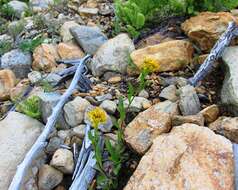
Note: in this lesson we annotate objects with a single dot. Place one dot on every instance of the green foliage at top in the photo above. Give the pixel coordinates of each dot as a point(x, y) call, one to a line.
point(7, 12)
point(134, 14)
point(30, 107)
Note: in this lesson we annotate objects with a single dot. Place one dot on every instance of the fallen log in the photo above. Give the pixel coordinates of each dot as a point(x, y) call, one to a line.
point(216, 52)
point(41, 141)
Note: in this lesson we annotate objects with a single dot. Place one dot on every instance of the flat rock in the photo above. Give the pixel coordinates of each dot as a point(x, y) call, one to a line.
point(169, 93)
point(19, 62)
point(229, 92)
point(109, 106)
point(189, 103)
point(40, 5)
point(113, 55)
point(89, 38)
point(189, 157)
point(140, 133)
point(194, 119)
point(226, 126)
point(207, 27)
point(49, 177)
point(7, 82)
point(162, 57)
point(18, 133)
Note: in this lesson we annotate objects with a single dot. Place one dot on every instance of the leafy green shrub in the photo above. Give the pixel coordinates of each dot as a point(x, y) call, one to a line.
point(30, 107)
point(15, 28)
point(134, 14)
point(7, 12)
point(30, 45)
point(5, 47)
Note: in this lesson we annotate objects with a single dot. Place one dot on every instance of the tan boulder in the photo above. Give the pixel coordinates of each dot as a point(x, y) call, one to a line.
point(69, 51)
point(210, 113)
point(7, 82)
point(226, 126)
point(167, 56)
point(139, 134)
point(65, 31)
point(189, 157)
point(195, 119)
point(45, 57)
point(206, 28)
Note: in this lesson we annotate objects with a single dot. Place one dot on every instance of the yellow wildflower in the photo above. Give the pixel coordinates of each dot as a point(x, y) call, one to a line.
point(150, 65)
point(97, 116)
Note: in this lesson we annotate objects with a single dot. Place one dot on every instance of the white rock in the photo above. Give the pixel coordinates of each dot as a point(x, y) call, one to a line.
point(138, 104)
point(74, 111)
point(109, 106)
point(18, 132)
point(63, 161)
point(79, 131)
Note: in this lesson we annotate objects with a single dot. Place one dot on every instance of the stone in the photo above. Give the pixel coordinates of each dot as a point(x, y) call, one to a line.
point(138, 104)
point(189, 103)
point(49, 178)
point(103, 97)
point(63, 161)
point(53, 145)
point(162, 57)
point(74, 111)
point(19, 62)
point(226, 126)
point(44, 58)
point(5, 40)
point(167, 107)
point(18, 133)
point(194, 119)
point(18, 7)
point(89, 38)
point(79, 131)
point(113, 55)
point(52, 78)
point(189, 157)
point(207, 27)
point(210, 113)
point(144, 94)
point(169, 93)
point(34, 76)
point(88, 11)
point(7, 82)
point(229, 92)
point(47, 103)
point(63, 134)
point(69, 51)
point(65, 31)
point(114, 80)
point(140, 133)
point(19, 90)
point(40, 5)
point(109, 106)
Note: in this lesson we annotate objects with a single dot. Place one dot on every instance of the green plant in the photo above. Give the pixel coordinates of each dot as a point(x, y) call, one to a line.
point(39, 22)
point(134, 14)
point(30, 107)
point(16, 28)
point(30, 45)
point(5, 47)
point(47, 87)
point(7, 12)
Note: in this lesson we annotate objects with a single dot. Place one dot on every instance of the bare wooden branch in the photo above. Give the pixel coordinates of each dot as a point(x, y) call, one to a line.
point(41, 141)
point(216, 52)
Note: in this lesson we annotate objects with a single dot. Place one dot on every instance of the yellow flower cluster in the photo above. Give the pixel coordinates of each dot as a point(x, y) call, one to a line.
point(150, 65)
point(97, 116)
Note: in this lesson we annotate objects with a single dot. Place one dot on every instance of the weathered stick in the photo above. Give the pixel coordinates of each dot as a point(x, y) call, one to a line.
point(41, 141)
point(216, 52)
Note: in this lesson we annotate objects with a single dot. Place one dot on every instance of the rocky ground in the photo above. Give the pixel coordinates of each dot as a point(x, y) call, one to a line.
point(176, 136)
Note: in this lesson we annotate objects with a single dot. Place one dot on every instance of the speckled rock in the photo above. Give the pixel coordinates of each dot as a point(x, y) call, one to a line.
point(7, 82)
point(189, 157)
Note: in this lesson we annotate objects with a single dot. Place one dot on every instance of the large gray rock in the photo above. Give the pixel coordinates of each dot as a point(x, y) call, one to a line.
point(229, 92)
point(113, 55)
point(89, 38)
point(189, 103)
point(40, 5)
point(18, 132)
point(19, 62)
point(47, 103)
point(18, 7)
